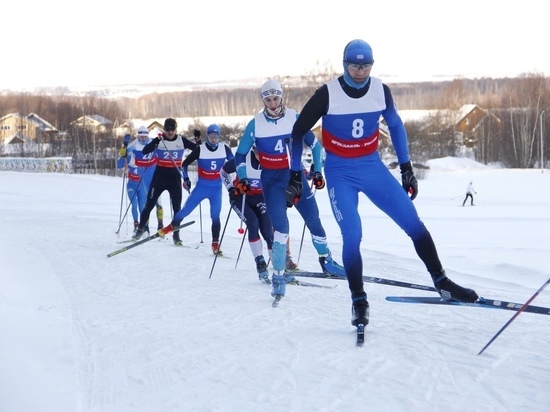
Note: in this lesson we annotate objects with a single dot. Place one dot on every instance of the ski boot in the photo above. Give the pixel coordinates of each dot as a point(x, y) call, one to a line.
point(279, 285)
point(261, 267)
point(451, 291)
point(359, 308)
point(176, 238)
point(216, 248)
point(330, 267)
point(290, 265)
point(138, 234)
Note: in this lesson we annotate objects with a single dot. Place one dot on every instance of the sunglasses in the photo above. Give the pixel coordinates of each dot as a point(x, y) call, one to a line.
point(169, 129)
point(354, 66)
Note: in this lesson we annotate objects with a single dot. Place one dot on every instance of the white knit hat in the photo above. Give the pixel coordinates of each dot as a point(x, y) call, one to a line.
point(143, 131)
point(272, 88)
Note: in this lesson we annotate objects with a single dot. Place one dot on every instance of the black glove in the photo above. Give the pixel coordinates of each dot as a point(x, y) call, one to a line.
point(197, 134)
point(318, 180)
point(410, 184)
point(243, 186)
point(234, 195)
point(293, 190)
point(187, 184)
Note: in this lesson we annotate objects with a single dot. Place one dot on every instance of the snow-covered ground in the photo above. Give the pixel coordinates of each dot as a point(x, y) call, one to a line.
point(147, 330)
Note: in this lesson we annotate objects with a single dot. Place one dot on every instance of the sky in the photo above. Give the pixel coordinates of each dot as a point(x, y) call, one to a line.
point(105, 43)
point(147, 330)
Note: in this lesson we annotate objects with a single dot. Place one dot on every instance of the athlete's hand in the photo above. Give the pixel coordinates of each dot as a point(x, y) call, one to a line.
point(197, 134)
point(293, 190)
point(234, 195)
point(243, 186)
point(410, 184)
point(318, 180)
point(186, 184)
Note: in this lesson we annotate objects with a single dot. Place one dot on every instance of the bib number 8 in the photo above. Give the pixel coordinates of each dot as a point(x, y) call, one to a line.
point(357, 128)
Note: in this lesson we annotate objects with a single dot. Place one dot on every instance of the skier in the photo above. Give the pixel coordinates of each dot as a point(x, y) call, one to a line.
point(168, 148)
point(270, 131)
point(210, 158)
point(470, 194)
point(140, 171)
point(255, 213)
point(350, 107)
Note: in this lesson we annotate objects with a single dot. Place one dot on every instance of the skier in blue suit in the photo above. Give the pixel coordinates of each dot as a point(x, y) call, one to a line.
point(140, 172)
point(210, 158)
point(270, 131)
point(350, 107)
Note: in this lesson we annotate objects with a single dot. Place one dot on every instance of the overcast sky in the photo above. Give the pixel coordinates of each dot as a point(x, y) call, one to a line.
point(59, 43)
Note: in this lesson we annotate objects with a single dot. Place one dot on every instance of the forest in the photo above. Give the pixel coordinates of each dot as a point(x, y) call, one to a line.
point(513, 136)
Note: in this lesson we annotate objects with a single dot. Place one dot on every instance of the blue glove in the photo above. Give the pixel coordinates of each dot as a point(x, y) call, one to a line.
point(126, 140)
point(186, 184)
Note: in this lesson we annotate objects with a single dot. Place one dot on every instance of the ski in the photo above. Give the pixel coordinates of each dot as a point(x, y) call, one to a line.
point(189, 246)
point(120, 242)
point(360, 334)
point(481, 303)
point(147, 239)
point(311, 285)
point(276, 301)
point(370, 279)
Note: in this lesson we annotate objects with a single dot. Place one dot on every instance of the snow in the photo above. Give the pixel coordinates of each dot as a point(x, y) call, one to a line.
point(147, 330)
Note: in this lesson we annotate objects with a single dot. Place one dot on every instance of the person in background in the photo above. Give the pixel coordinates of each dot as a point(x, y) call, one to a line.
point(255, 213)
point(350, 107)
point(135, 188)
point(168, 148)
point(270, 131)
point(140, 171)
point(210, 158)
point(470, 194)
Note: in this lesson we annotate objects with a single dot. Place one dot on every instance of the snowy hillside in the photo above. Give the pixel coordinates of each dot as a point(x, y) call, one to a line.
point(147, 330)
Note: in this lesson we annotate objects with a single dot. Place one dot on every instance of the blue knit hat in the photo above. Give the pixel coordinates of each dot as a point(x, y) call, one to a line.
point(358, 52)
point(213, 128)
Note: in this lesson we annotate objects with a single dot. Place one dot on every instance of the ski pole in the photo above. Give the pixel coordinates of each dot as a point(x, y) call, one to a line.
point(128, 207)
point(304, 230)
point(220, 244)
point(515, 316)
point(241, 248)
point(242, 214)
point(200, 220)
point(122, 198)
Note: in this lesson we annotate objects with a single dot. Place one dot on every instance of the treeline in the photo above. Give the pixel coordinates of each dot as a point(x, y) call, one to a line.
point(517, 104)
point(61, 110)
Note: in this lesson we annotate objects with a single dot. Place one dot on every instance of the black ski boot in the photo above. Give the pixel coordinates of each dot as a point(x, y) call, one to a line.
point(261, 267)
point(359, 308)
point(138, 233)
point(451, 291)
point(176, 238)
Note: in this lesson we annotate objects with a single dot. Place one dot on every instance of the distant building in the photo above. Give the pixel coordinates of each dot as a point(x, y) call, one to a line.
point(94, 123)
point(16, 129)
